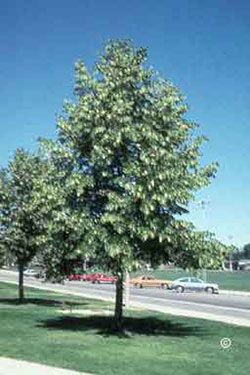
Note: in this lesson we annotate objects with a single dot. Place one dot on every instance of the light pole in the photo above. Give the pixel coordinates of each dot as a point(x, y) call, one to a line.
point(230, 257)
point(203, 204)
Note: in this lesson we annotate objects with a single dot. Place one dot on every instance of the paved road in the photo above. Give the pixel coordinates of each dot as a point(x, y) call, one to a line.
point(226, 308)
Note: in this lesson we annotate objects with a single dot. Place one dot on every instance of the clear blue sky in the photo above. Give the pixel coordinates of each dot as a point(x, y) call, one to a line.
point(203, 46)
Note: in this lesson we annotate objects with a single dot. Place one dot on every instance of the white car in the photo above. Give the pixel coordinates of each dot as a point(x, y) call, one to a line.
point(194, 284)
point(31, 273)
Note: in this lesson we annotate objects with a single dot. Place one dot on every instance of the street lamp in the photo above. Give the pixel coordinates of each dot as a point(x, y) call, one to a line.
point(230, 238)
point(203, 204)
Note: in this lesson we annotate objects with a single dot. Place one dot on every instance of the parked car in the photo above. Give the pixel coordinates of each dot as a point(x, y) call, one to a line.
point(83, 277)
point(104, 279)
point(194, 284)
point(150, 281)
point(77, 277)
point(92, 276)
point(31, 273)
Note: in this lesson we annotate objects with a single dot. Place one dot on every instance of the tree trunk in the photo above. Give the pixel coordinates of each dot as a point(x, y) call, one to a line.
point(119, 303)
point(20, 284)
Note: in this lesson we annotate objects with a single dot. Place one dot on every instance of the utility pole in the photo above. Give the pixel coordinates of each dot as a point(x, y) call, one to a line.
point(203, 204)
point(230, 256)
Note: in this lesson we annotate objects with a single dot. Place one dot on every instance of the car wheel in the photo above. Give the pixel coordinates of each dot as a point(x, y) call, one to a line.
point(179, 289)
point(210, 290)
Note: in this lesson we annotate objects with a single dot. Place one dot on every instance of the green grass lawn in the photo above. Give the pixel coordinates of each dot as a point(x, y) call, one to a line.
point(236, 280)
point(156, 344)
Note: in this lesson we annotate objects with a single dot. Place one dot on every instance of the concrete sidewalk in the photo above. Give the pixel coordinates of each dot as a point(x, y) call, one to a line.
point(10, 366)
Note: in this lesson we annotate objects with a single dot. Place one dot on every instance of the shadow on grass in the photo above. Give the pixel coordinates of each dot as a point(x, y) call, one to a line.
point(104, 325)
point(42, 302)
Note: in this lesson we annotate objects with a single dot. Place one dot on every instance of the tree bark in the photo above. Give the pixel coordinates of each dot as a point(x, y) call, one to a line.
point(119, 303)
point(20, 283)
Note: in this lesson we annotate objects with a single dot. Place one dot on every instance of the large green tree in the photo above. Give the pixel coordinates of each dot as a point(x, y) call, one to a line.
point(21, 214)
point(130, 139)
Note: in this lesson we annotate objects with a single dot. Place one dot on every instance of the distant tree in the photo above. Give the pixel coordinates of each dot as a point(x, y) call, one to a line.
point(137, 165)
point(21, 221)
point(66, 219)
point(6, 259)
point(246, 251)
point(2, 255)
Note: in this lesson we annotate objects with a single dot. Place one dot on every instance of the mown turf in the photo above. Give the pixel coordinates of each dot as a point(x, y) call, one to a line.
point(155, 344)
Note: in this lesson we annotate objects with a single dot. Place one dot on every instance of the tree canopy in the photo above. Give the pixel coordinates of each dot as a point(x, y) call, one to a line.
point(136, 164)
point(21, 213)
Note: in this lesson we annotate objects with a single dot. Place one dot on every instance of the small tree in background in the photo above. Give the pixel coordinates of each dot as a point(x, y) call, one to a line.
point(246, 251)
point(129, 137)
point(21, 221)
point(66, 218)
point(2, 255)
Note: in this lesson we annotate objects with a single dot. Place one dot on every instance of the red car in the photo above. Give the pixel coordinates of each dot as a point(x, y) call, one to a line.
point(104, 279)
point(77, 277)
point(84, 277)
point(93, 276)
